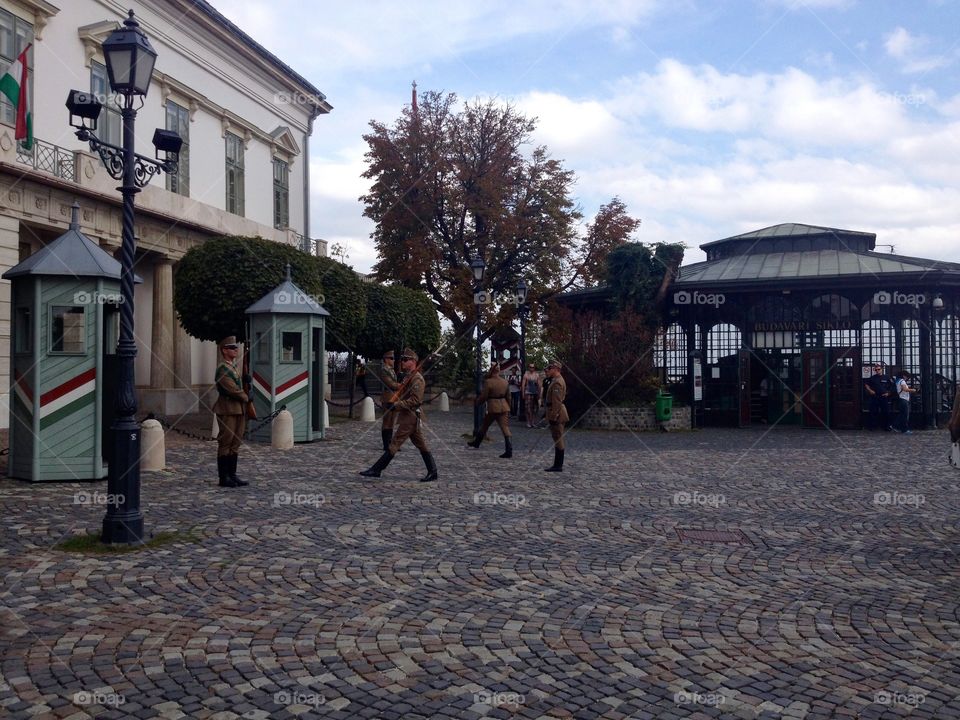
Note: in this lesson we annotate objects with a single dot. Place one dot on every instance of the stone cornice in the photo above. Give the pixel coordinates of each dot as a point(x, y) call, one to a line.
point(41, 10)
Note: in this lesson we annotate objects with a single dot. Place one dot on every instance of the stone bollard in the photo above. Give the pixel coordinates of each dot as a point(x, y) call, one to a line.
point(326, 416)
point(367, 413)
point(444, 402)
point(153, 454)
point(215, 428)
point(281, 432)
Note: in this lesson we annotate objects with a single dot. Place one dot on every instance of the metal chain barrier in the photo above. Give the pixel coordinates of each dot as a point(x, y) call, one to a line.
point(166, 423)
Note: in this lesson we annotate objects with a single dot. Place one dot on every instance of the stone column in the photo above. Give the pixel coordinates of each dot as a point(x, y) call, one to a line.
point(9, 256)
point(162, 356)
point(184, 365)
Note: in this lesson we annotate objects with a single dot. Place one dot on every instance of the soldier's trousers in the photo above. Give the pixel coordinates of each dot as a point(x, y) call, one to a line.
point(502, 420)
point(389, 418)
point(556, 432)
point(231, 433)
point(408, 426)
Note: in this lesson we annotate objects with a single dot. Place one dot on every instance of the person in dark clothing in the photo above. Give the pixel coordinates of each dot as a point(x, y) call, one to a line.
point(879, 389)
point(360, 372)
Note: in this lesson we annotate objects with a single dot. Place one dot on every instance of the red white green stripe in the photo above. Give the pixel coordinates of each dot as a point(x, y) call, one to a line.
point(15, 86)
point(22, 391)
point(66, 399)
point(293, 387)
point(261, 386)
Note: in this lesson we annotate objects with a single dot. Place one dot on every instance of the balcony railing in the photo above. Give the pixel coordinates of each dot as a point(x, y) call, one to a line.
point(50, 158)
point(311, 246)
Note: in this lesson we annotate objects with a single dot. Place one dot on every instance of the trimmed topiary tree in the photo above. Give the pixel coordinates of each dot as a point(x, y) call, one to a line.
point(217, 281)
point(398, 317)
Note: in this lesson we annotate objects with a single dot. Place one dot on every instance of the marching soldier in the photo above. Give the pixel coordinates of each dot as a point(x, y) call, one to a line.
point(406, 404)
point(390, 385)
point(231, 410)
point(496, 393)
point(556, 413)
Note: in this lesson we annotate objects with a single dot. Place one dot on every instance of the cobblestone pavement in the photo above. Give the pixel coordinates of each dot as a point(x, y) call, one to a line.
point(721, 573)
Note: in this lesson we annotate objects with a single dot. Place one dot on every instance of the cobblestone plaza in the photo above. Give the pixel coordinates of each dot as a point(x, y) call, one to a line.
point(719, 573)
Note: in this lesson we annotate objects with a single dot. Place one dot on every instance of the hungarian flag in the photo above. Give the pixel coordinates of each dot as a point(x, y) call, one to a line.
point(14, 86)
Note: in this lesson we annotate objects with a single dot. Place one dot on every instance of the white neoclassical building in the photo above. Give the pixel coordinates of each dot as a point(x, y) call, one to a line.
point(245, 118)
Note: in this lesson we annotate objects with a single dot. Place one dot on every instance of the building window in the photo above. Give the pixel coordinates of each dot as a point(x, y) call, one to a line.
point(15, 35)
point(262, 343)
point(67, 330)
point(234, 174)
point(178, 120)
point(281, 194)
point(292, 343)
point(109, 122)
point(23, 331)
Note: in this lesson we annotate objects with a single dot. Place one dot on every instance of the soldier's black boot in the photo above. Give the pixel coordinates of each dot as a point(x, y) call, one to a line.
point(386, 436)
point(223, 471)
point(508, 453)
point(233, 472)
point(378, 466)
point(431, 467)
point(476, 441)
point(557, 461)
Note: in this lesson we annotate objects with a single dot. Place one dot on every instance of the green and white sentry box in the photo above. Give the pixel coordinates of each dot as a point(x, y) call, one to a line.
point(288, 358)
point(65, 302)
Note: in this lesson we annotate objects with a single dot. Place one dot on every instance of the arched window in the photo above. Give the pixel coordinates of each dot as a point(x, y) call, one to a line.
point(879, 342)
point(910, 358)
point(670, 352)
point(722, 340)
point(837, 310)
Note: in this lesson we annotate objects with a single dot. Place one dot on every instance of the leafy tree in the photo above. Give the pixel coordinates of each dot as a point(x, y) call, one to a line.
point(450, 182)
point(398, 317)
point(612, 228)
point(217, 281)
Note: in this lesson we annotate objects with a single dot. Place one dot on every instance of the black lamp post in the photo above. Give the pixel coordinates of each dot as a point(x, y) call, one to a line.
point(523, 310)
point(129, 59)
point(928, 385)
point(478, 267)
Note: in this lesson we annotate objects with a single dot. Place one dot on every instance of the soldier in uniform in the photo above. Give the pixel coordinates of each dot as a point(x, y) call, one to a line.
point(496, 393)
point(231, 410)
point(406, 404)
point(556, 413)
point(390, 385)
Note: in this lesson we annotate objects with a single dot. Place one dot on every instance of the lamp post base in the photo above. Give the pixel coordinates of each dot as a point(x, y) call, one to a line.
point(123, 522)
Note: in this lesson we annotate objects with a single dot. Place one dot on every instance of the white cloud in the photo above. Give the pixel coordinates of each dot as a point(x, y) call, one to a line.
point(909, 49)
point(568, 126)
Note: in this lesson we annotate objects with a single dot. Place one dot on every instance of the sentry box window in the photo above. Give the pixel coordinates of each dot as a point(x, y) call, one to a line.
point(67, 330)
point(292, 343)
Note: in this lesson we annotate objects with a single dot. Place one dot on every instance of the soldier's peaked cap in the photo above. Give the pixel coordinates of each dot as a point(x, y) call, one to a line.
point(409, 354)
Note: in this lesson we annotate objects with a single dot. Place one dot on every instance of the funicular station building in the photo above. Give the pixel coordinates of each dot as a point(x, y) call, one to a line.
point(783, 325)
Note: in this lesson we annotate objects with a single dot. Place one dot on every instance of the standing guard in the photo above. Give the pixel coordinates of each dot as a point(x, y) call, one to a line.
point(557, 415)
point(496, 393)
point(231, 410)
point(406, 403)
point(390, 385)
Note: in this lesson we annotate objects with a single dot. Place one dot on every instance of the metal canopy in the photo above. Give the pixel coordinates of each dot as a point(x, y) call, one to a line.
point(287, 299)
point(72, 254)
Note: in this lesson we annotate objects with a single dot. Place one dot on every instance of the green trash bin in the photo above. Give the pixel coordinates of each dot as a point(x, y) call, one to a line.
point(664, 406)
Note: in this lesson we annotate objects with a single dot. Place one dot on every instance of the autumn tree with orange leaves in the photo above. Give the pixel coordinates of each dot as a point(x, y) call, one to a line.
point(451, 181)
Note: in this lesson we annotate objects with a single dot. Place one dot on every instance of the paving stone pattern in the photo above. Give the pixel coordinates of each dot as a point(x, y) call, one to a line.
point(823, 582)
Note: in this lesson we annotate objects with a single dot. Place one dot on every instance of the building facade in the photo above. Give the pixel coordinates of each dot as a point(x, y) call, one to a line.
point(245, 118)
point(783, 325)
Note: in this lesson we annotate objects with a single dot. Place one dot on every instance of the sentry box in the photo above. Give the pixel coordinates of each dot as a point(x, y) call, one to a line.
point(287, 362)
point(65, 302)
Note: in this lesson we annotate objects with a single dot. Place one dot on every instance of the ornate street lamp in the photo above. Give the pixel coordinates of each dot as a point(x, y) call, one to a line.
point(523, 310)
point(129, 59)
point(478, 267)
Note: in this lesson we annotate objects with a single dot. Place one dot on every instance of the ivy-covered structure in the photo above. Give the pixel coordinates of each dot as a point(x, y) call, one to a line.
point(781, 325)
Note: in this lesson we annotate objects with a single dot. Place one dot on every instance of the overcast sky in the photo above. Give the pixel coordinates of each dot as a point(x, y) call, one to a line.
point(707, 118)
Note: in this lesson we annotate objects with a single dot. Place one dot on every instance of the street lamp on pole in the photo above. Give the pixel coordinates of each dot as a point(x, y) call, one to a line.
point(130, 59)
point(478, 267)
point(523, 310)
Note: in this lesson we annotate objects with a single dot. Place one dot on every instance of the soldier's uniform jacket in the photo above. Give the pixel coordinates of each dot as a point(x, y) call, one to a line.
point(231, 398)
point(412, 396)
point(556, 394)
point(390, 384)
point(496, 393)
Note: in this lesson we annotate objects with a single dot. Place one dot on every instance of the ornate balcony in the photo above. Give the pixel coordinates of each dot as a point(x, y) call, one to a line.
point(50, 158)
